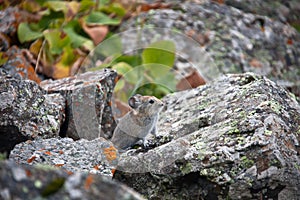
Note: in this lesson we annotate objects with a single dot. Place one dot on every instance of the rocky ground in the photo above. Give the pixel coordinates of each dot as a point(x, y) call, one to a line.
point(237, 137)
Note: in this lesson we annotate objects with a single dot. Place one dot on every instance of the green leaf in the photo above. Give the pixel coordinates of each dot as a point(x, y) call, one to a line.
point(99, 18)
point(57, 40)
point(78, 40)
point(133, 60)
point(127, 72)
point(122, 68)
point(85, 5)
point(157, 70)
point(68, 56)
point(120, 85)
point(57, 6)
point(110, 47)
point(160, 52)
point(115, 8)
point(49, 18)
point(54, 186)
point(25, 34)
point(3, 60)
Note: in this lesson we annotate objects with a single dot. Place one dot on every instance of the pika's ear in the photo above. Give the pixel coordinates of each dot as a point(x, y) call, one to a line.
point(134, 101)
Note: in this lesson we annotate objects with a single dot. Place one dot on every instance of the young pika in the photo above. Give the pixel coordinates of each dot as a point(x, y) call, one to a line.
point(138, 122)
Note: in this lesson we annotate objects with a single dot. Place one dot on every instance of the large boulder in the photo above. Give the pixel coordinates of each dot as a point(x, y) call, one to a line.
point(237, 41)
point(88, 99)
point(44, 182)
point(235, 138)
point(27, 112)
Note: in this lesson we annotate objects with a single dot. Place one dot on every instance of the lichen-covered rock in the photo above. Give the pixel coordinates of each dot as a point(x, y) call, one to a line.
point(237, 41)
point(96, 156)
point(235, 138)
point(285, 11)
point(44, 182)
point(27, 112)
point(20, 64)
point(88, 95)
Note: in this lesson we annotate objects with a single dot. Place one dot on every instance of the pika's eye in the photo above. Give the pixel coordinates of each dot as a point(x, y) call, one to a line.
point(151, 101)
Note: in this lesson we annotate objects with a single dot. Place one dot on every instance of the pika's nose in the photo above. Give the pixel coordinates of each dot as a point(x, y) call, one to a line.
point(161, 103)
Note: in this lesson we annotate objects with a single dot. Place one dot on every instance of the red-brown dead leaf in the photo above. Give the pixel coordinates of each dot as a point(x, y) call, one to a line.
point(59, 165)
point(289, 41)
point(61, 152)
point(73, 8)
point(28, 173)
point(219, 1)
point(110, 153)
point(97, 33)
point(31, 159)
point(88, 181)
point(199, 37)
point(192, 80)
point(96, 167)
point(48, 153)
point(255, 63)
point(69, 172)
point(113, 171)
point(147, 7)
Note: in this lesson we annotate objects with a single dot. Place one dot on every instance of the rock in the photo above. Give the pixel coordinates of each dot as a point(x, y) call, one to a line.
point(238, 42)
point(20, 64)
point(27, 112)
point(88, 111)
point(97, 156)
point(44, 182)
point(236, 138)
point(285, 11)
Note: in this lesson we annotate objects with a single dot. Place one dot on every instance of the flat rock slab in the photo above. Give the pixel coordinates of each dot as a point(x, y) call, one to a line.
point(44, 182)
point(235, 138)
point(88, 97)
point(27, 112)
point(97, 156)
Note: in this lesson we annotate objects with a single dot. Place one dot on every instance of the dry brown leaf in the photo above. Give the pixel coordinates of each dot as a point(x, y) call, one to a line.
point(192, 80)
point(97, 33)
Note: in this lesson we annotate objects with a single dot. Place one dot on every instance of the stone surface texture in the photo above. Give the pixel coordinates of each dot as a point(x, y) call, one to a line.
point(44, 182)
point(97, 156)
point(236, 138)
point(27, 112)
point(237, 41)
point(88, 97)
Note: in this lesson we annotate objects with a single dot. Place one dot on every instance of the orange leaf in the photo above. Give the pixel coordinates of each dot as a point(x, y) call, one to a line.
point(59, 165)
point(88, 181)
point(48, 153)
point(30, 160)
point(28, 173)
point(290, 41)
point(147, 7)
point(110, 153)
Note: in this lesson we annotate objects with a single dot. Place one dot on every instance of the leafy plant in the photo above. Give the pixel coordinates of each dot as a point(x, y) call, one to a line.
point(148, 72)
point(66, 31)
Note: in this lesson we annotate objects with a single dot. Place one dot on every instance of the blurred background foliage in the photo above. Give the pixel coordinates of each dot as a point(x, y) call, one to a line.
point(60, 35)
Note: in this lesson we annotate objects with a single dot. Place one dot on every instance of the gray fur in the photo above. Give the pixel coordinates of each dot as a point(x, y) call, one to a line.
point(137, 123)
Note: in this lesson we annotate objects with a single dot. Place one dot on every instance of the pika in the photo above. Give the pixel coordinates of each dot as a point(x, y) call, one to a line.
point(138, 122)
